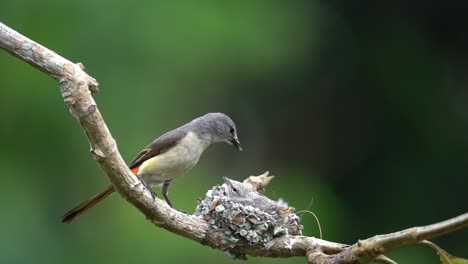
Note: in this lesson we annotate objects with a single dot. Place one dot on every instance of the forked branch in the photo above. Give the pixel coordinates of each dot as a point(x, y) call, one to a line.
point(76, 87)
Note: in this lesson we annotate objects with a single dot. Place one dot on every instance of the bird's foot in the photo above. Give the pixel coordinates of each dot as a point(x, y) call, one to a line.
point(182, 211)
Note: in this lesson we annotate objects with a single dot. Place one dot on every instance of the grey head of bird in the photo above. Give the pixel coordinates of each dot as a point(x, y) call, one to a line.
point(219, 127)
point(239, 193)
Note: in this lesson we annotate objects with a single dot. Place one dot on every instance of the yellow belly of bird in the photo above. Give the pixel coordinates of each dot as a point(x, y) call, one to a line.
point(173, 162)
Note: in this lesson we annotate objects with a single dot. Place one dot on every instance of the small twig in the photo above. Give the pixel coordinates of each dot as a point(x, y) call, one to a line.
point(439, 251)
point(316, 219)
point(384, 260)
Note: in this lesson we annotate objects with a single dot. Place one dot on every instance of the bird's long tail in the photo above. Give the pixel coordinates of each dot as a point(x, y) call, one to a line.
point(73, 213)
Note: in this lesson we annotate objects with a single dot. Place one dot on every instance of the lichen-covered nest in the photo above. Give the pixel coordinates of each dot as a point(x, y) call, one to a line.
point(245, 215)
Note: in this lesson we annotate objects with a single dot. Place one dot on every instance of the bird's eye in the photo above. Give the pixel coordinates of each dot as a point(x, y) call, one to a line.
point(234, 189)
point(231, 130)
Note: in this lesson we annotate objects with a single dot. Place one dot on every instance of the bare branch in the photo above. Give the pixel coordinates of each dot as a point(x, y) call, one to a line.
point(366, 250)
point(76, 87)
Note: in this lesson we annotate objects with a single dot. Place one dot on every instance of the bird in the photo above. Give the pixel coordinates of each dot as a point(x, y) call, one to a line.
point(171, 155)
point(242, 194)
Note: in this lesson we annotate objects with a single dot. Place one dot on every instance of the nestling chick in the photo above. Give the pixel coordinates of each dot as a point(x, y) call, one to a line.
point(239, 193)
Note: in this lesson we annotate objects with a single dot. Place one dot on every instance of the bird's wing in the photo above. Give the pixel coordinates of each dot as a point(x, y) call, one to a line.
point(159, 145)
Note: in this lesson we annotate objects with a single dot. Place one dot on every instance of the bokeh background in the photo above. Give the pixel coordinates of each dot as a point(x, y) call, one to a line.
point(359, 109)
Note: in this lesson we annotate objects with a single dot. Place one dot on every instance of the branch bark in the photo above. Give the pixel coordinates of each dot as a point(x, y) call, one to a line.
point(366, 250)
point(76, 87)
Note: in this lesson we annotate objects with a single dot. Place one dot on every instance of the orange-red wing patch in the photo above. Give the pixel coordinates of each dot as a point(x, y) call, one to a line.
point(135, 170)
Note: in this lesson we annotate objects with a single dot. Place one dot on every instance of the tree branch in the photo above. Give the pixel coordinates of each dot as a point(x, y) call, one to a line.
point(76, 87)
point(366, 250)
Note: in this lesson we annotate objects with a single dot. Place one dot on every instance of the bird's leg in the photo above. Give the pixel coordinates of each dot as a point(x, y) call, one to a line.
point(147, 186)
point(165, 192)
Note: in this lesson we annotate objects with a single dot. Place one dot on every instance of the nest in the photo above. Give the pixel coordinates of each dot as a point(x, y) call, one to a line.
point(246, 216)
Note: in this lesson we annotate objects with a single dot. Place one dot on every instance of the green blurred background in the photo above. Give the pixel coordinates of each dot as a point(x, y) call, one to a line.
point(360, 108)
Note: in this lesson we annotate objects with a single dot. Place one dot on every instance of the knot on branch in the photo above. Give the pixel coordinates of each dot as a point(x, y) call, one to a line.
point(245, 216)
point(317, 257)
point(101, 153)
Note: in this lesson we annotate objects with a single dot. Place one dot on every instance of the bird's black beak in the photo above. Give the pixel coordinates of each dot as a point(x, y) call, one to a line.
point(235, 141)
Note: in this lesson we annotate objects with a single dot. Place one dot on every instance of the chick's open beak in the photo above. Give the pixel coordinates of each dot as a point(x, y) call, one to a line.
point(236, 143)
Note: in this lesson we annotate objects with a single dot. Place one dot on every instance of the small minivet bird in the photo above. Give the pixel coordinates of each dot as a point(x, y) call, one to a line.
point(171, 155)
